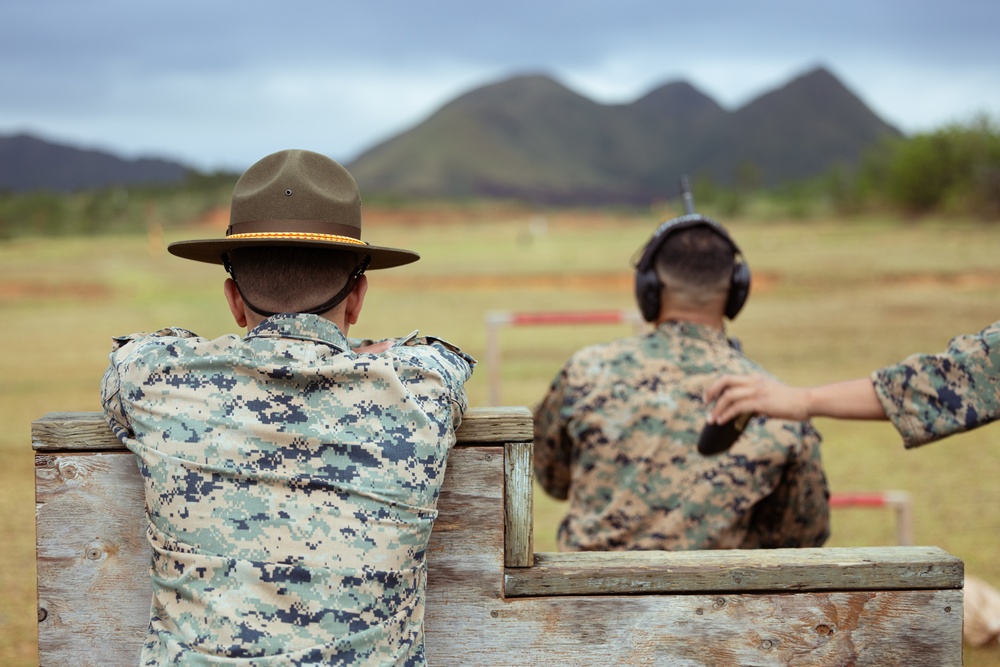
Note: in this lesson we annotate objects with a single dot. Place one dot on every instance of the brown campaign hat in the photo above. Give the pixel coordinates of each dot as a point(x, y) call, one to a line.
point(294, 198)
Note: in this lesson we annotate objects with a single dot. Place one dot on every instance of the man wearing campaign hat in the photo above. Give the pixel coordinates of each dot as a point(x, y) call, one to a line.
point(291, 475)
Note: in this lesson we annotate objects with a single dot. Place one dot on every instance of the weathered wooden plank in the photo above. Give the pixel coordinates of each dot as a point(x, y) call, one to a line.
point(496, 425)
point(860, 628)
point(93, 559)
point(468, 532)
point(93, 579)
point(519, 546)
point(834, 569)
point(87, 431)
point(73, 431)
point(94, 591)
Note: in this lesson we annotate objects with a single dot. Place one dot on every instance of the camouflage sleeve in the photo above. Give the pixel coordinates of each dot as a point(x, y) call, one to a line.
point(553, 449)
point(114, 410)
point(797, 513)
point(121, 348)
point(930, 396)
point(428, 356)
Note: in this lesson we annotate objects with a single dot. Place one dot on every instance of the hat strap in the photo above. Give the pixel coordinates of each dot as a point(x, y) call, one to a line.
point(330, 303)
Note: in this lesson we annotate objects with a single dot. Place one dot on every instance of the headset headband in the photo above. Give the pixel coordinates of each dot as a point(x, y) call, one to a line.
point(673, 225)
point(648, 285)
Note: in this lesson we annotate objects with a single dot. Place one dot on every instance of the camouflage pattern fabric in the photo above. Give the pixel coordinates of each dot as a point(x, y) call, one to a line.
point(617, 435)
point(930, 396)
point(291, 487)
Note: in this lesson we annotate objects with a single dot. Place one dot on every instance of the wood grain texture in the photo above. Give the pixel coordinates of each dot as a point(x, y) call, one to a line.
point(519, 545)
point(87, 431)
point(93, 558)
point(856, 629)
point(840, 569)
point(94, 592)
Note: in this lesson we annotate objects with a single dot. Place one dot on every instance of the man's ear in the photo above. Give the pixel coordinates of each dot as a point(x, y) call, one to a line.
point(355, 300)
point(236, 306)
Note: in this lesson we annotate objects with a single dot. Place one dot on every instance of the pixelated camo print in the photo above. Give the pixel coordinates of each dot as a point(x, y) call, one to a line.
point(291, 488)
point(931, 396)
point(617, 435)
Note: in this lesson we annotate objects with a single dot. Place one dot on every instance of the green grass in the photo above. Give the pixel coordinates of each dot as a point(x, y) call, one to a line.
point(832, 300)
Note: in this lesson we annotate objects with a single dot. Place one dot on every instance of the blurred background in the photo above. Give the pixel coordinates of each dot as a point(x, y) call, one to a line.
point(526, 152)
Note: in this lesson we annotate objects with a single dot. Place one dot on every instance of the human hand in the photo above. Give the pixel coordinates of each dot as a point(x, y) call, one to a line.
point(374, 348)
point(382, 346)
point(736, 395)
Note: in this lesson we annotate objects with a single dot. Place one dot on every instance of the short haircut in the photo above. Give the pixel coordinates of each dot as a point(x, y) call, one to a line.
point(695, 260)
point(289, 278)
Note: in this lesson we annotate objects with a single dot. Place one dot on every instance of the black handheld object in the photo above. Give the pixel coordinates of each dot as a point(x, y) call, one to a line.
point(717, 438)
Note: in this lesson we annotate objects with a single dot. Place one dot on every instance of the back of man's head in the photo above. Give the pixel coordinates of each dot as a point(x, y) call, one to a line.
point(285, 279)
point(695, 266)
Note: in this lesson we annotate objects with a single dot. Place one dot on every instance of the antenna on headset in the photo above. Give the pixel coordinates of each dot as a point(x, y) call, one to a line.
point(686, 196)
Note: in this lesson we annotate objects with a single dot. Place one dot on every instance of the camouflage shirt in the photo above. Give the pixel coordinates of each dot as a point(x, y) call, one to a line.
point(617, 435)
point(291, 486)
point(931, 396)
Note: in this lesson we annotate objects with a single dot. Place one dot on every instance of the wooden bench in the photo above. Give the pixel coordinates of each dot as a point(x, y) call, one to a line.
point(490, 599)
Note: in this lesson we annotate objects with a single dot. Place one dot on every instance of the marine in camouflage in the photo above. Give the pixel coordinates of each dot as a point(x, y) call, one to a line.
point(930, 396)
point(291, 487)
point(617, 436)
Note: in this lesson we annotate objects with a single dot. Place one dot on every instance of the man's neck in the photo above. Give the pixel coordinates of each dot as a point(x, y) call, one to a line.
point(713, 320)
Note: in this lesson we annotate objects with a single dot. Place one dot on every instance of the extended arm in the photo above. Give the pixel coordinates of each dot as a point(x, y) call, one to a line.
point(741, 394)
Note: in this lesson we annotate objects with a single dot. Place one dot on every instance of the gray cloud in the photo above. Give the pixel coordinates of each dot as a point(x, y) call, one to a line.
point(219, 84)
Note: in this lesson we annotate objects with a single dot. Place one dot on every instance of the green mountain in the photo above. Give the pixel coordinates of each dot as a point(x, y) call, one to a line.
point(532, 138)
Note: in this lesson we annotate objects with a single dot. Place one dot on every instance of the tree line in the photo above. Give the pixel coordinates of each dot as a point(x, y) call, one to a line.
point(951, 171)
point(955, 170)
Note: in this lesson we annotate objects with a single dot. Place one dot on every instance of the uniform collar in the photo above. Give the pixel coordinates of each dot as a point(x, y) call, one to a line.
point(302, 326)
point(692, 330)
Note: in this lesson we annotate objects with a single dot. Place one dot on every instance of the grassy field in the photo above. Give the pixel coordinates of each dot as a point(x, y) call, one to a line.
point(831, 300)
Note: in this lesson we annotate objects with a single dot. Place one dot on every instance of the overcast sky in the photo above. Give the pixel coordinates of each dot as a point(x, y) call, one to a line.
point(219, 83)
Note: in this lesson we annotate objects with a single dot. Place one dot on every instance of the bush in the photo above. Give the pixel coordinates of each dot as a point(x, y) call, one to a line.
point(953, 170)
point(116, 209)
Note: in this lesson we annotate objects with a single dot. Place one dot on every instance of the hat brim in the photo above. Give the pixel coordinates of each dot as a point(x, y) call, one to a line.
point(212, 250)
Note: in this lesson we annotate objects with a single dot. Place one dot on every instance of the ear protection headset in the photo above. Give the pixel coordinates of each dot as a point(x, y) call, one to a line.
point(648, 287)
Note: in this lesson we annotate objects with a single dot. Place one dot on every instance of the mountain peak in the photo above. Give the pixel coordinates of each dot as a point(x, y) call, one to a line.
point(517, 92)
point(531, 137)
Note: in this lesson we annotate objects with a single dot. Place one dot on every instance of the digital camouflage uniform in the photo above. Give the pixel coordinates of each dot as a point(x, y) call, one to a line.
point(291, 488)
point(931, 396)
point(617, 435)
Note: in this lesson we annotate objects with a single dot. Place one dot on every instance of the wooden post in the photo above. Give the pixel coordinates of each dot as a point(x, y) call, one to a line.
point(519, 548)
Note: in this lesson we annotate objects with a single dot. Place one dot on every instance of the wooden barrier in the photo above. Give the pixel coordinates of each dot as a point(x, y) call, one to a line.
point(490, 599)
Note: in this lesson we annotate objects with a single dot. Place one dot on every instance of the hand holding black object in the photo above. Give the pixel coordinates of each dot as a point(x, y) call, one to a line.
point(717, 438)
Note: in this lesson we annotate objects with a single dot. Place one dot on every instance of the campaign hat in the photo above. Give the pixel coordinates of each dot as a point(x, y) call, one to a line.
point(294, 198)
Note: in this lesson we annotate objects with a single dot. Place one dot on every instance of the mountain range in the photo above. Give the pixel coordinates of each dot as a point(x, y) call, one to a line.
point(30, 163)
point(530, 137)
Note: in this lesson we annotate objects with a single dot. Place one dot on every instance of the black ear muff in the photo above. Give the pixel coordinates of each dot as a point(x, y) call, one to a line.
point(647, 293)
point(648, 286)
point(739, 288)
